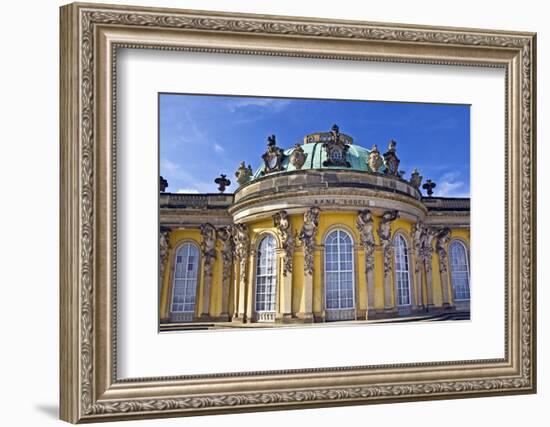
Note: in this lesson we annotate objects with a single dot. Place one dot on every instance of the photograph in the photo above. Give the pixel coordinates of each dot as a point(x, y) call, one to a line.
point(285, 212)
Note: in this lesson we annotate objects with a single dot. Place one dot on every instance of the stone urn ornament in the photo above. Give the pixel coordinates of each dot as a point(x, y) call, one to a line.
point(243, 174)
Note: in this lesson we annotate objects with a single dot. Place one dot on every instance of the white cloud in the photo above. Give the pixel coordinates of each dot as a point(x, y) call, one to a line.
point(274, 104)
point(450, 185)
point(218, 148)
point(187, 191)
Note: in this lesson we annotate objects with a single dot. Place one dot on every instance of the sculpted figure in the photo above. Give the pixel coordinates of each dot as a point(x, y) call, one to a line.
point(225, 235)
point(384, 233)
point(365, 226)
point(282, 223)
point(208, 246)
point(416, 179)
point(164, 247)
point(241, 240)
point(443, 238)
point(307, 236)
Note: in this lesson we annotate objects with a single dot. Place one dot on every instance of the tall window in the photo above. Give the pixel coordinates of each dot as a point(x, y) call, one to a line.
point(460, 274)
point(185, 278)
point(402, 277)
point(266, 275)
point(339, 292)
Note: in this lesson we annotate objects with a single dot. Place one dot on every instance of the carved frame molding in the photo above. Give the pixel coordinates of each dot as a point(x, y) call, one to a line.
point(90, 36)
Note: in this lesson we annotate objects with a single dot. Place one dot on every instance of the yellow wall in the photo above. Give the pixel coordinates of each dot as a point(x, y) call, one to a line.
point(328, 220)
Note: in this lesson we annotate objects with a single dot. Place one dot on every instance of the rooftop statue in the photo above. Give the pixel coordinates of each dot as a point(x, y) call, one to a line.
point(273, 157)
point(391, 160)
point(336, 150)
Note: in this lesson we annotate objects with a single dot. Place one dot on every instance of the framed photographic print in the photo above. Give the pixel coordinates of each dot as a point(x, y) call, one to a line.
point(266, 212)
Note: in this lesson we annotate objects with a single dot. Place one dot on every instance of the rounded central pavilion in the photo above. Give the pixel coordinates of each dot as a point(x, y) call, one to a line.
point(326, 230)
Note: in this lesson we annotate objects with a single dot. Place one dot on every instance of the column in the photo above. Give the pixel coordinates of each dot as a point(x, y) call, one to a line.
point(418, 284)
point(250, 289)
point(286, 292)
point(164, 250)
point(307, 237)
point(430, 297)
point(241, 313)
point(207, 284)
point(226, 251)
point(241, 242)
point(208, 246)
point(285, 259)
point(365, 227)
point(384, 233)
point(443, 237)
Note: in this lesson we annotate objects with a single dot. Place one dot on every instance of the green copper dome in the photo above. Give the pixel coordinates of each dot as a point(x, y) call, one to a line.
point(323, 150)
point(317, 156)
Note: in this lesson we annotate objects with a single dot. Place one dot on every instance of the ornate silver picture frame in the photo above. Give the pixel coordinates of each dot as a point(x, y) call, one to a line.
point(91, 36)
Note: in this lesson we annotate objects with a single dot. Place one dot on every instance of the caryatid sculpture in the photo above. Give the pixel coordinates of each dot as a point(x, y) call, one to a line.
point(384, 233)
point(164, 248)
point(281, 221)
point(365, 225)
point(307, 237)
point(241, 247)
point(225, 236)
point(208, 246)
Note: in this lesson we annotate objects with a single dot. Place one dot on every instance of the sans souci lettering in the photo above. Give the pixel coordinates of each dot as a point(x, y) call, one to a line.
point(347, 202)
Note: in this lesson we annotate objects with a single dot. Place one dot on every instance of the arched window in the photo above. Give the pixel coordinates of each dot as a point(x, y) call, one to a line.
point(460, 274)
point(185, 280)
point(402, 277)
point(266, 277)
point(339, 276)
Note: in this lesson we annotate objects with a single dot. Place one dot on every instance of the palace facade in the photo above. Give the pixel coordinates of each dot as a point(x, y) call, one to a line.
point(324, 231)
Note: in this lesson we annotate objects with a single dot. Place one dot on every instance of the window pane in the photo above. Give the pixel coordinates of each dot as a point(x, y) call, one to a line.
point(266, 271)
point(185, 278)
point(339, 282)
point(460, 275)
point(402, 278)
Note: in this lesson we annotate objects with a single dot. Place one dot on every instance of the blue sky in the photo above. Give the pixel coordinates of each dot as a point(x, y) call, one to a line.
point(202, 136)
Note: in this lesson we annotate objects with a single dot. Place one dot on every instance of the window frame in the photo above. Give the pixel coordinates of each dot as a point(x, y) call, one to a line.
point(261, 239)
point(467, 258)
point(352, 271)
point(180, 246)
point(397, 236)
